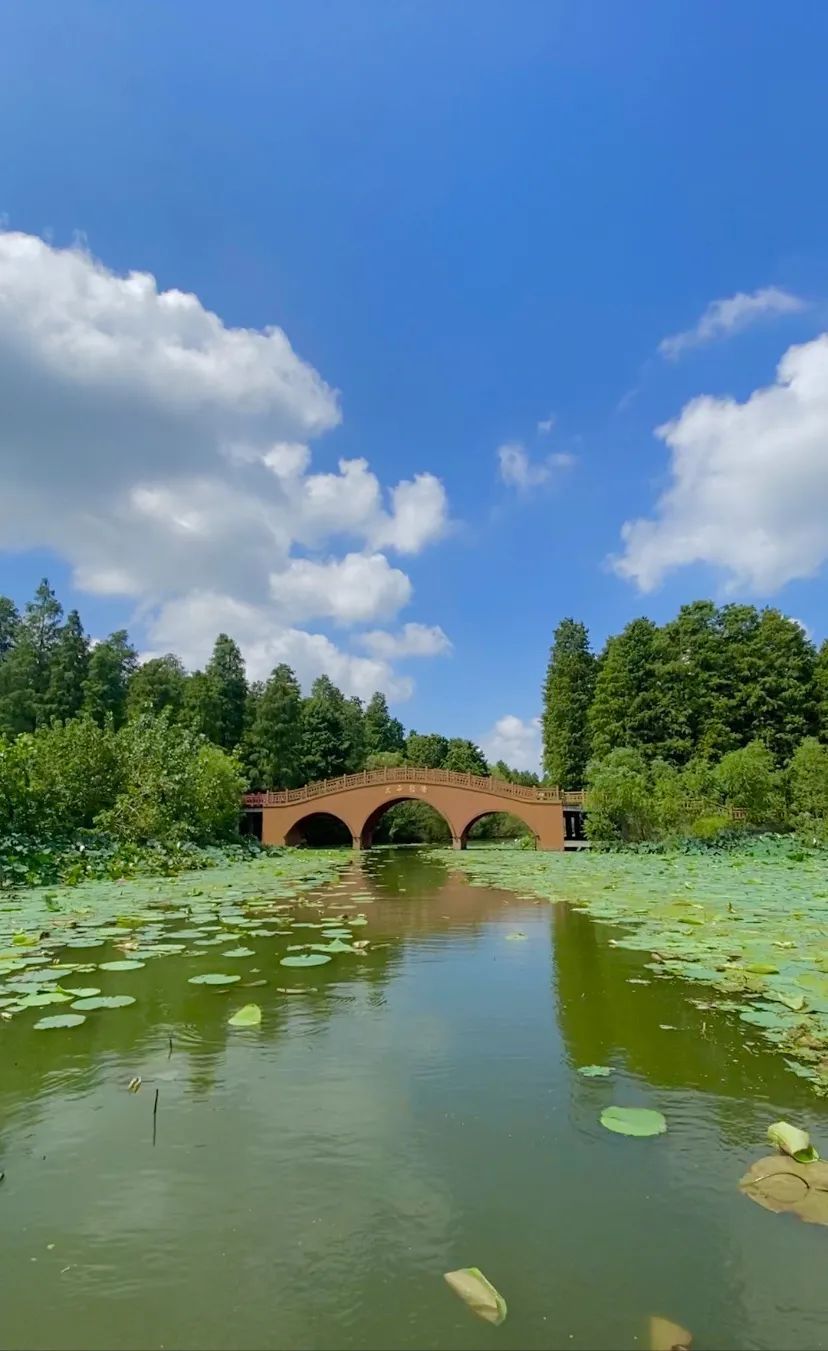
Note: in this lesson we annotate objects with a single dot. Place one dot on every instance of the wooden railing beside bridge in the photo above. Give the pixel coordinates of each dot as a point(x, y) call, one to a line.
point(412, 774)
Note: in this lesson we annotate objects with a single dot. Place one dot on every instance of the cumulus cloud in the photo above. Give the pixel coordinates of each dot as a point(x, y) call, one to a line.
point(164, 455)
point(514, 740)
point(749, 484)
point(189, 626)
point(722, 318)
point(519, 471)
point(413, 640)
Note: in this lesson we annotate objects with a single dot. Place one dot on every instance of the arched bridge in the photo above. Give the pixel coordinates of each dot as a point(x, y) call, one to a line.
point(359, 800)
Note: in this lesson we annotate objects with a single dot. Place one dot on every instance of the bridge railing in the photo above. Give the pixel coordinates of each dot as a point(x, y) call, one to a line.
point(412, 774)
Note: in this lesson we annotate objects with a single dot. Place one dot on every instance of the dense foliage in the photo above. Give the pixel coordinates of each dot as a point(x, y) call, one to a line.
point(92, 739)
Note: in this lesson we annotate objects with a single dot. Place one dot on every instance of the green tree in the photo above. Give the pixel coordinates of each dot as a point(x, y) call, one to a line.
point(382, 732)
point(627, 710)
point(747, 778)
point(157, 684)
point(693, 677)
point(24, 673)
point(112, 664)
point(273, 746)
point(567, 695)
point(807, 790)
point(821, 683)
point(225, 691)
point(67, 671)
point(463, 757)
point(72, 772)
point(783, 698)
point(354, 726)
point(326, 746)
point(620, 802)
point(9, 623)
point(428, 750)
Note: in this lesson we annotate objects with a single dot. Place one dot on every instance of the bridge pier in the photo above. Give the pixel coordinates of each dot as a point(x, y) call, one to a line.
point(458, 842)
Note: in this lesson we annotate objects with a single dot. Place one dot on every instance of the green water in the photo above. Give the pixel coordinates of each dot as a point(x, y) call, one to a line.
point(411, 1111)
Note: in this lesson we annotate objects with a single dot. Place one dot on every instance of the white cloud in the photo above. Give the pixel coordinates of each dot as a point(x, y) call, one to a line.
point(749, 485)
point(165, 456)
point(351, 590)
point(546, 424)
point(515, 741)
point(519, 471)
point(189, 625)
point(413, 640)
point(731, 315)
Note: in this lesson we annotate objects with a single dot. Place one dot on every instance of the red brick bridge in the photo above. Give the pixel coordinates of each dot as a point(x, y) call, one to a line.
point(359, 800)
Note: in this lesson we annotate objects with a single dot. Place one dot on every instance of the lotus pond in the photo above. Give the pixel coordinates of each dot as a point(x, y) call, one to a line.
point(274, 1106)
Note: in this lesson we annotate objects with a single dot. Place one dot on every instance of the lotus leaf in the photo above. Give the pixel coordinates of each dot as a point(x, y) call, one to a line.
point(213, 978)
point(478, 1293)
point(781, 1184)
point(60, 1020)
point(83, 992)
point(250, 1015)
point(239, 952)
point(109, 1001)
point(306, 959)
point(38, 1001)
point(791, 1140)
point(639, 1121)
point(128, 964)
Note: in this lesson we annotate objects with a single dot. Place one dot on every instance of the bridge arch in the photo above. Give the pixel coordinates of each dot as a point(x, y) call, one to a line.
point(306, 827)
point(496, 811)
point(366, 835)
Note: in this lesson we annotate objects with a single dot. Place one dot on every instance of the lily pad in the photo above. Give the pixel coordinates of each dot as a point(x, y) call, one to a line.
point(239, 952)
point(39, 1001)
point(60, 1020)
point(250, 1015)
point(213, 978)
point(633, 1121)
point(128, 964)
point(478, 1293)
point(104, 1001)
point(306, 959)
point(83, 991)
point(781, 1184)
point(594, 1071)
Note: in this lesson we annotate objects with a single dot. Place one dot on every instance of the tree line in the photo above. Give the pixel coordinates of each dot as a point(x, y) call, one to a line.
point(90, 736)
point(721, 708)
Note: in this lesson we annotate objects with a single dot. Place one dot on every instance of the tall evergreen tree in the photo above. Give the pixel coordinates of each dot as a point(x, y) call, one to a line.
point(68, 671)
point(9, 623)
point(627, 709)
point(273, 744)
point(158, 684)
point(567, 695)
point(325, 743)
point(112, 664)
point(821, 684)
point(784, 699)
point(354, 723)
point(24, 673)
point(226, 694)
point(382, 732)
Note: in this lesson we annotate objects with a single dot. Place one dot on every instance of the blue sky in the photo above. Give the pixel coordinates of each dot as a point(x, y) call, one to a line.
point(467, 220)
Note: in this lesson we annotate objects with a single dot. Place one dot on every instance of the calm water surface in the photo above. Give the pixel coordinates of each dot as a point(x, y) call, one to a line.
point(410, 1113)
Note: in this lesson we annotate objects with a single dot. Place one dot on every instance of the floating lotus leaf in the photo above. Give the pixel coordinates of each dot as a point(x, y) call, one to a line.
point(480, 1295)
point(128, 964)
point(793, 1141)
point(762, 969)
point(357, 921)
point(213, 978)
point(39, 1001)
point(104, 1001)
point(638, 1121)
point(84, 943)
point(250, 1015)
point(239, 952)
point(306, 959)
point(336, 933)
point(83, 992)
point(594, 1071)
point(60, 1020)
point(781, 1184)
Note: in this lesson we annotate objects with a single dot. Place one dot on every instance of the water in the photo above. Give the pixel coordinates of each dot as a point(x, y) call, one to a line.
point(311, 1180)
